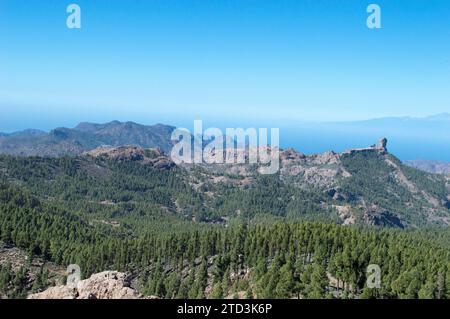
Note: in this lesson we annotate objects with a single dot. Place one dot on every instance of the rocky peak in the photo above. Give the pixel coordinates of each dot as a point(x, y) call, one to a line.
point(379, 147)
point(291, 154)
point(382, 144)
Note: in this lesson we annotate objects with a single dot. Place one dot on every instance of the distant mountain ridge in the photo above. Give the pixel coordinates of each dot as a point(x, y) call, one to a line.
point(411, 137)
point(434, 167)
point(441, 117)
point(84, 137)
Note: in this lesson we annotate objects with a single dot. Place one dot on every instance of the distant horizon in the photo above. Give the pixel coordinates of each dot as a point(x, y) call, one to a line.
point(48, 127)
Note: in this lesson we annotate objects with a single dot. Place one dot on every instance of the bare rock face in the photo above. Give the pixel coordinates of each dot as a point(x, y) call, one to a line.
point(379, 217)
point(291, 155)
point(152, 156)
point(317, 169)
point(104, 285)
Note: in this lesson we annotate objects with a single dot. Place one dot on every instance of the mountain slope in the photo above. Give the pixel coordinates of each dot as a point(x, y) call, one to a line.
point(368, 185)
point(363, 186)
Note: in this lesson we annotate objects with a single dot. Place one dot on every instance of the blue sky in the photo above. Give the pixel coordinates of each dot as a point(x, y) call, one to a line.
point(176, 60)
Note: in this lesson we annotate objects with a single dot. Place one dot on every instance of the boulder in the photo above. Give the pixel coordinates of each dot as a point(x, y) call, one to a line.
point(104, 285)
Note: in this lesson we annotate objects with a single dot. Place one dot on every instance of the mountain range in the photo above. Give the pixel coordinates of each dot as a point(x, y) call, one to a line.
point(411, 138)
point(84, 137)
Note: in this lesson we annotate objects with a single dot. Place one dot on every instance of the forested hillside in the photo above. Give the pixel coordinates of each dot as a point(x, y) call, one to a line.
point(202, 233)
point(259, 258)
point(361, 187)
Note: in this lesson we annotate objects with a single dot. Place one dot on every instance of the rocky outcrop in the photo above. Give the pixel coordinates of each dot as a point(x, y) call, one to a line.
point(337, 194)
point(379, 217)
point(382, 145)
point(105, 285)
point(319, 170)
point(291, 155)
point(153, 156)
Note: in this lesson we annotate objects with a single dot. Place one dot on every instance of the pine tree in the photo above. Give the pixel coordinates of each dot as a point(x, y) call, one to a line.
point(319, 282)
point(285, 284)
point(217, 292)
point(428, 290)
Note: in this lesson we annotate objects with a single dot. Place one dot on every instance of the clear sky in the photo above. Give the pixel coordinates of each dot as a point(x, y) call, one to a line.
point(157, 60)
